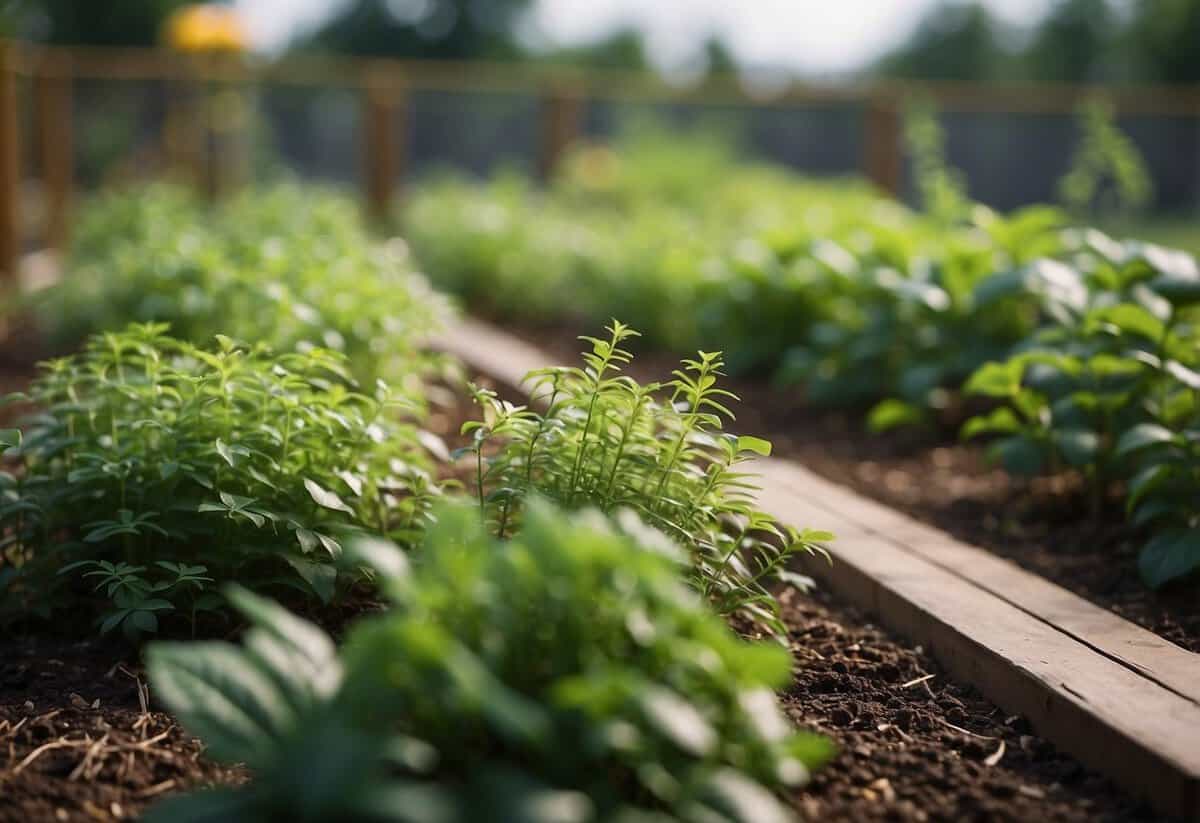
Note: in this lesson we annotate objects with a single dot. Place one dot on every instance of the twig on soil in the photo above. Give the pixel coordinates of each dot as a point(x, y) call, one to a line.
point(994, 758)
point(916, 681)
point(967, 732)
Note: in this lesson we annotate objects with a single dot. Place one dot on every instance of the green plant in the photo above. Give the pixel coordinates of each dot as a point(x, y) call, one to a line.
point(1110, 390)
point(1107, 173)
point(562, 675)
point(606, 441)
point(288, 266)
point(154, 467)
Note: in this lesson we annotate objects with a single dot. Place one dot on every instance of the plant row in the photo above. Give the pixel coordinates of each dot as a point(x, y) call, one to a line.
point(1085, 346)
point(553, 647)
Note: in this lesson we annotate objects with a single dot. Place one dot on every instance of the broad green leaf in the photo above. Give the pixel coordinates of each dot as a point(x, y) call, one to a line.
point(1170, 556)
point(678, 720)
point(756, 445)
point(325, 498)
point(1141, 436)
point(892, 413)
point(1019, 455)
point(1077, 446)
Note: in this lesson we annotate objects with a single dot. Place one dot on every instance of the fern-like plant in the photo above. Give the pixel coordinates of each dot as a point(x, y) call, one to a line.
point(606, 441)
point(154, 467)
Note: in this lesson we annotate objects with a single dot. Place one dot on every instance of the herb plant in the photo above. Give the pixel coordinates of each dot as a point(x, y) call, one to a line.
point(154, 468)
point(291, 267)
point(565, 674)
point(608, 442)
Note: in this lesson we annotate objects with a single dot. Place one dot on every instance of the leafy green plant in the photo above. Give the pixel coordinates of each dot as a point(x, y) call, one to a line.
point(154, 467)
point(1107, 173)
point(563, 675)
point(288, 266)
point(608, 442)
point(1110, 390)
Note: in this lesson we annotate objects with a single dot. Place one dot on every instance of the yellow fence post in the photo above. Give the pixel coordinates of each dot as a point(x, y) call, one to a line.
point(380, 160)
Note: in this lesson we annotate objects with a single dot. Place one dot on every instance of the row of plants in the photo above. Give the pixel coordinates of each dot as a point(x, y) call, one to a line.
point(553, 648)
point(1082, 344)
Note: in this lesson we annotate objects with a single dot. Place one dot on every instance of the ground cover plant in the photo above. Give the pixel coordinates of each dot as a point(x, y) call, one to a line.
point(153, 469)
point(488, 692)
point(290, 266)
point(606, 441)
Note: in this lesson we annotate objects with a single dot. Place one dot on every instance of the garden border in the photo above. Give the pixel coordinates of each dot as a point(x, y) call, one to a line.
point(1121, 699)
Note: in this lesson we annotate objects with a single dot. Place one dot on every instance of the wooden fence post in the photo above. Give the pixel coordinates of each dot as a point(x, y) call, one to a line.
point(384, 102)
point(883, 160)
point(561, 121)
point(10, 165)
point(56, 150)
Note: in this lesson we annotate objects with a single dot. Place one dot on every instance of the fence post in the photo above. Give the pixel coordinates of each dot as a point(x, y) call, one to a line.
point(56, 138)
point(883, 159)
point(384, 101)
point(561, 116)
point(10, 212)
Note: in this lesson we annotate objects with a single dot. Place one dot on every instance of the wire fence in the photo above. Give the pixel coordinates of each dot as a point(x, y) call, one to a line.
point(73, 120)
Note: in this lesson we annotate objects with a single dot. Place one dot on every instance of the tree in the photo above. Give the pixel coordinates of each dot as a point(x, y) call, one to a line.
point(428, 29)
point(89, 22)
point(954, 41)
point(1164, 40)
point(1075, 43)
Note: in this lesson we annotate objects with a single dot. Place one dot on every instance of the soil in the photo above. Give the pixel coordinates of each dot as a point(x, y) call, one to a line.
point(79, 742)
point(1045, 526)
point(915, 746)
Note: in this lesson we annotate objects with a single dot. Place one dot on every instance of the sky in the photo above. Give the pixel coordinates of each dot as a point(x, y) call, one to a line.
point(810, 37)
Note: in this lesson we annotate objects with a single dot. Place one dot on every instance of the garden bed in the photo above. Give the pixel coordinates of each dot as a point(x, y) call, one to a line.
point(1046, 526)
point(913, 744)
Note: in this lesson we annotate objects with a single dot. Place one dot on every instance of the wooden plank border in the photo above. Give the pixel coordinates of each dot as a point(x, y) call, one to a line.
point(1119, 698)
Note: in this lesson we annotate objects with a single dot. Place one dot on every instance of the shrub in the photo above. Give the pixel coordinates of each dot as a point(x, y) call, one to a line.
point(154, 467)
point(289, 266)
point(1112, 389)
point(608, 442)
point(563, 675)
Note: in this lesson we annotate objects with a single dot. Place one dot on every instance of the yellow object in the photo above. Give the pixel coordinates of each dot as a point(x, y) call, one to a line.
point(205, 27)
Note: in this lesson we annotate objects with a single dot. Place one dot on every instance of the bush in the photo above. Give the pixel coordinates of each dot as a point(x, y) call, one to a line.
point(563, 675)
point(290, 267)
point(154, 467)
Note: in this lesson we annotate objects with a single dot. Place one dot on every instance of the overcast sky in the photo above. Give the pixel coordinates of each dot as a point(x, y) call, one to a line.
point(810, 36)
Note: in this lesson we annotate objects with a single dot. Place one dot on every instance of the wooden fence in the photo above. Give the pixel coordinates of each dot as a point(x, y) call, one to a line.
point(385, 86)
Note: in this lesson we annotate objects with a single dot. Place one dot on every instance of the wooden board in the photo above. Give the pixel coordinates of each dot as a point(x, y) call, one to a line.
point(1119, 698)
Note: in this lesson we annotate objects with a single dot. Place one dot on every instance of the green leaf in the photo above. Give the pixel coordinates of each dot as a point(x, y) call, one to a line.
point(996, 379)
point(325, 498)
point(1141, 436)
point(1078, 446)
point(678, 720)
point(1170, 556)
point(998, 421)
point(223, 697)
point(757, 445)
point(1019, 455)
point(893, 413)
point(10, 439)
point(321, 577)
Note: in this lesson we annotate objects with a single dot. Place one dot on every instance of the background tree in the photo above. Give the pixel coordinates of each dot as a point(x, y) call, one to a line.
point(1075, 43)
point(954, 41)
point(427, 29)
point(88, 22)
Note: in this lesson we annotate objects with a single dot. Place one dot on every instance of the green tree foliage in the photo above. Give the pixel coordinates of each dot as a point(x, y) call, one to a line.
point(1164, 40)
point(954, 42)
point(427, 29)
point(85, 22)
point(1074, 43)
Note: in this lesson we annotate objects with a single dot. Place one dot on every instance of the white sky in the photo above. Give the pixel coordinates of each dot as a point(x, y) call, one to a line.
point(809, 36)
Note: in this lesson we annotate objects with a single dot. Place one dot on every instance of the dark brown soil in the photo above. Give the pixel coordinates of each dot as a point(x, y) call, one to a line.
point(917, 747)
point(1046, 526)
point(79, 742)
